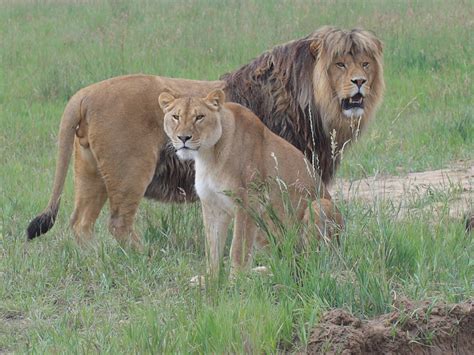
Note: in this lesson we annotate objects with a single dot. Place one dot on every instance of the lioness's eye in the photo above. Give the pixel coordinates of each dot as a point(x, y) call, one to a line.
point(340, 65)
point(176, 117)
point(199, 117)
point(365, 65)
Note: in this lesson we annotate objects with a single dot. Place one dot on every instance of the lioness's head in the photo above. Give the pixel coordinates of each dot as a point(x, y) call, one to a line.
point(192, 123)
point(348, 75)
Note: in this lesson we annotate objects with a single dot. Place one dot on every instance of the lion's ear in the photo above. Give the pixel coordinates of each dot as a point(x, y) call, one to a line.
point(215, 99)
point(165, 100)
point(314, 47)
point(379, 45)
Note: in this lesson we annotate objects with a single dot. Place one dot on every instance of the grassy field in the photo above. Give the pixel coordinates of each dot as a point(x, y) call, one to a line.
point(56, 297)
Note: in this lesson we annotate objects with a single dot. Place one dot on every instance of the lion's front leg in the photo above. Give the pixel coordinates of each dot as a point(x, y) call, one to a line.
point(216, 222)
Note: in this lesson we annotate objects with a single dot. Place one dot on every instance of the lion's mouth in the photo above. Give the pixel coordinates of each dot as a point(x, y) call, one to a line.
point(356, 101)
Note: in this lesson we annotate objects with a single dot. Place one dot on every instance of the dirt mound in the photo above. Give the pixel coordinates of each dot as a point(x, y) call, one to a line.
point(421, 329)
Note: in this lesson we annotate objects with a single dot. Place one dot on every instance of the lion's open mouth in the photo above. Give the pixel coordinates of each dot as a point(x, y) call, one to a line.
point(356, 101)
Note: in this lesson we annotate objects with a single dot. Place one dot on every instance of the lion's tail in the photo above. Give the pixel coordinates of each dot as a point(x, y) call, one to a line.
point(71, 118)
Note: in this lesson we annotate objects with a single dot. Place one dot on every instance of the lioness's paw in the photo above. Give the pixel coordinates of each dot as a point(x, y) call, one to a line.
point(263, 270)
point(198, 280)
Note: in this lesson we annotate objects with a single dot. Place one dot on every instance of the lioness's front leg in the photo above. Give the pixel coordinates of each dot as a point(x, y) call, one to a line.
point(216, 222)
point(243, 240)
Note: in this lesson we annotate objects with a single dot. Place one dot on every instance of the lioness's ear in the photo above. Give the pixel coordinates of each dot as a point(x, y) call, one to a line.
point(215, 99)
point(314, 47)
point(165, 100)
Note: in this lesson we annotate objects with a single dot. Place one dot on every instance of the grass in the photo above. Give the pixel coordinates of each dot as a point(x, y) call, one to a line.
point(56, 297)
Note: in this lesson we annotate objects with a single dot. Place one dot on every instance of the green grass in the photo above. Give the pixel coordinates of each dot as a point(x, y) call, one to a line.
point(56, 297)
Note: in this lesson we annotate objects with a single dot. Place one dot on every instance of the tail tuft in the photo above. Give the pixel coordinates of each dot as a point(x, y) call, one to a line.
point(41, 224)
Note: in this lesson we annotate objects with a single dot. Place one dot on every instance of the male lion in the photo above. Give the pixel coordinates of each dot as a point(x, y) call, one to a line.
point(233, 152)
point(317, 92)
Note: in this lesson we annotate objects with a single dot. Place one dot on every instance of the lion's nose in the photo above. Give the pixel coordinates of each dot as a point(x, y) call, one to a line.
point(184, 139)
point(359, 81)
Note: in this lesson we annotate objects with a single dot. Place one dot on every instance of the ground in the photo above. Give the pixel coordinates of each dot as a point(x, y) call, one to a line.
point(406, 191)
point(424, 328)
point(56, 297)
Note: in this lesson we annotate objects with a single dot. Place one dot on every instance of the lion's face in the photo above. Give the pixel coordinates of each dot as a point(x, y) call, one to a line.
point(192, 123)
point(348, 74)
point(351, 77)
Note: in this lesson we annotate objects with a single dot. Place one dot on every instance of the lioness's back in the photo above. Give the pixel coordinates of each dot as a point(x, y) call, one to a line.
point(279, 156)
point(246, 119)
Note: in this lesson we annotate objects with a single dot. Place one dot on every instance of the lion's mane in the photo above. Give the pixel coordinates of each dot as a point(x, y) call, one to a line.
point(288, 88)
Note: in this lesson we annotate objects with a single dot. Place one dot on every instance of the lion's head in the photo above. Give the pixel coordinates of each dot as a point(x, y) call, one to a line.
point(192, 123)
point(348, 72)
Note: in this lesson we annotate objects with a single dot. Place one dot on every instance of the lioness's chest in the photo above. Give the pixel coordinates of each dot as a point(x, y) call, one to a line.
point(212, 190)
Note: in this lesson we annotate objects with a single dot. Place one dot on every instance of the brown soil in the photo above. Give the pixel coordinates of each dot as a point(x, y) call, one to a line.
point(410, 329)
point(456, 182)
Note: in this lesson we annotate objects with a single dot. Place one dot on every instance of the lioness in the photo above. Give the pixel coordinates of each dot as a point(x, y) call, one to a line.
point(233, 151)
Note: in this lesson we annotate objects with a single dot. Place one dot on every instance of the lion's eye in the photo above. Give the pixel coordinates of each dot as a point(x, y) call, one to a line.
point(176, 117)
point(340, 65)
point(199, 117)
point(365, 65)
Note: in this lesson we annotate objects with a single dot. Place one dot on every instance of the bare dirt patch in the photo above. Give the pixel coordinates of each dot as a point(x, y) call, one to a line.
point(410, 329)
point(451, 188)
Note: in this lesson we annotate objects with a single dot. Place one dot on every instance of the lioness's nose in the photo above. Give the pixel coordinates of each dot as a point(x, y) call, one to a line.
point(184, 138)
point(358, 81)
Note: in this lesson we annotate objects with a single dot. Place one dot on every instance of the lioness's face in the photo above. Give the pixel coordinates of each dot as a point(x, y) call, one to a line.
point(351, 77)
point(192, 124)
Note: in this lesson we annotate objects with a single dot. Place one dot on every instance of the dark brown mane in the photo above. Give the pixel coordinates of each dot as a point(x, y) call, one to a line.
point(173, 180)
point(277, 87)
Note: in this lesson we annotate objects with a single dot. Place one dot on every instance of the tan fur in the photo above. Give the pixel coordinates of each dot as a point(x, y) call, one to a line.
point(234, 153)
